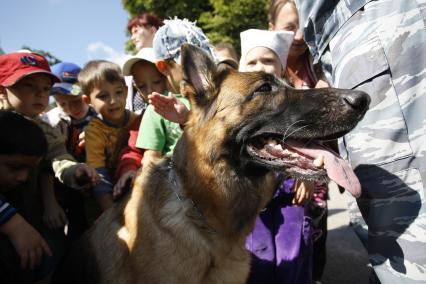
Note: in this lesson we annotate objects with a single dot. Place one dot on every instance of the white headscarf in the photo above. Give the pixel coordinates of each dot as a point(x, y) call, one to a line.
point(277, 41)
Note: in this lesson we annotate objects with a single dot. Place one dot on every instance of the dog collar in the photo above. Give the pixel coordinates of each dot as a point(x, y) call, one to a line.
point(173, 178)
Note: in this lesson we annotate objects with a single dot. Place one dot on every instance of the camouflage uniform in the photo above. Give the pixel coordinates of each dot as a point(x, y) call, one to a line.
point(380, 47)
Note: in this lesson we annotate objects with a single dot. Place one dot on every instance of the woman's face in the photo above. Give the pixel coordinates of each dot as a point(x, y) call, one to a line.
point(142, 36)
point(288, 20)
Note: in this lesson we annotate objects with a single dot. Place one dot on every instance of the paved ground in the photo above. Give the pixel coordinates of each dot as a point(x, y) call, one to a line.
point(347, 260)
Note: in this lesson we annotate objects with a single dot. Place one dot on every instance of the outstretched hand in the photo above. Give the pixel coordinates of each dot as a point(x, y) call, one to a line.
point(169, 107)
point(86, 176)
point(124, 183)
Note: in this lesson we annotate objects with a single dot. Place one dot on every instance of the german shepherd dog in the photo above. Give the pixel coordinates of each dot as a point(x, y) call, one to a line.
point(187, 217)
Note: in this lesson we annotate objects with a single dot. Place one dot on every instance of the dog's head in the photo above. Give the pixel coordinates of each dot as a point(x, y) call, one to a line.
point(258, 123)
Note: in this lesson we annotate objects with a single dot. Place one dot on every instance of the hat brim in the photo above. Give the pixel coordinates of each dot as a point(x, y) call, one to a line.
point(128, 64)
point(12, 80)
point(64, 89)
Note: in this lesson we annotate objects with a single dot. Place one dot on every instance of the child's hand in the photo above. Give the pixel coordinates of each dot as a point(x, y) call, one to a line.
point(86, 175)
point(54, 216)
point(169, 107)
point(28, 243)
point(81, 141)
point(302, 191)
point(124, 183)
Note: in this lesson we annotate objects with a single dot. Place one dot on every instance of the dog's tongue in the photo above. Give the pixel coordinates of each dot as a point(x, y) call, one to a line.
point(337, 168)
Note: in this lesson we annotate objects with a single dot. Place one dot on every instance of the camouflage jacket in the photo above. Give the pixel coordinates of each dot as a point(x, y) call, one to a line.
point(380, 47)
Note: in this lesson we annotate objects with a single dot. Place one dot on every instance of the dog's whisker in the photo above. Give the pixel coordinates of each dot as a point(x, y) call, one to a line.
point(297, 129)
point(288, 128)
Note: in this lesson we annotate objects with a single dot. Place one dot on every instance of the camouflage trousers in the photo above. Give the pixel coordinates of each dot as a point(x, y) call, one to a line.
point(381, 49)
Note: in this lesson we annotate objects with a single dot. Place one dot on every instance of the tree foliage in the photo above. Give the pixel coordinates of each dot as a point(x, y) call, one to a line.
point(221, 20)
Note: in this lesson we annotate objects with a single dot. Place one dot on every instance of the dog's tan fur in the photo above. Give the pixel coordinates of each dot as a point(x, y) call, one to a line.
point(187, 217)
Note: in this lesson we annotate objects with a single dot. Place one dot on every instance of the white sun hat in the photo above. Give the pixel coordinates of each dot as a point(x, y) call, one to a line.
point(146, 54)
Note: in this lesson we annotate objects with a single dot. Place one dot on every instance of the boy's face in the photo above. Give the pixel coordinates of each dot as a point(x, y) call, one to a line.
point(262, 59)
point(14, 169)
point(30, 95)
point(109, 100)
point(73, 106)
point(147, 78)
point(174, 75)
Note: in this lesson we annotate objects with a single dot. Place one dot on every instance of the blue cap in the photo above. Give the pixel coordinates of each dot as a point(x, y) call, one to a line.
point(68, 73)
point(175, 32)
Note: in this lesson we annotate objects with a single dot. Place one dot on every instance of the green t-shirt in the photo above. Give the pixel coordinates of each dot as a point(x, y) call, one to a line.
point(157, 133)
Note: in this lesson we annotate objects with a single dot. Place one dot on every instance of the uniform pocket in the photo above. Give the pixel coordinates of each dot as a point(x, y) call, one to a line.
point(382, 136)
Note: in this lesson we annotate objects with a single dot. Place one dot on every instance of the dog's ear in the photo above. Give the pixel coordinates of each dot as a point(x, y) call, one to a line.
point(199, 71)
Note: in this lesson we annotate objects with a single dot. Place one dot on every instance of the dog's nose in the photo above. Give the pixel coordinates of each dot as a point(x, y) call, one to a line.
point(357, 100)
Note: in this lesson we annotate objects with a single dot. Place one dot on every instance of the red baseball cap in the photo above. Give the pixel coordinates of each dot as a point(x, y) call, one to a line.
point(16, 65)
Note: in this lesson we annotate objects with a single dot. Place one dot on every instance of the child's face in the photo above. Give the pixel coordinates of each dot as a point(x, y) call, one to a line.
point(174, 76)
point(263, 59)
point(73, 106)
point(14, 169)
point(147, 78)
point(30, 95)
point(109, 100)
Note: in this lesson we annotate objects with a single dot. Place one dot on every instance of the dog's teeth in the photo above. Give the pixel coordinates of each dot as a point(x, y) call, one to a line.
point(319, 161)
point(271, 142)
point(278, 147)
point(294, 155)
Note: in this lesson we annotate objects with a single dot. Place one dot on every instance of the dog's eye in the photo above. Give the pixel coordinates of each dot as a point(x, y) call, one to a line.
point(265, 88)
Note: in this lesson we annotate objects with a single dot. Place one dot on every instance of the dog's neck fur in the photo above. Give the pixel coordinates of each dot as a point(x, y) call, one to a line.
point(229, 212)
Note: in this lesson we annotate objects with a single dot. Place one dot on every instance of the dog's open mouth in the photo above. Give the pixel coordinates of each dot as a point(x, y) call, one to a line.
point(287, 156)
point(311, 161)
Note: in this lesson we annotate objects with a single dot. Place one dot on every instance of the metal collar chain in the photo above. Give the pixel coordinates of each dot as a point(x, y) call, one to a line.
point(173, 178)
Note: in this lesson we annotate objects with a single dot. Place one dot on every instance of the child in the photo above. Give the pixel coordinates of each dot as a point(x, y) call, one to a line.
point(157, 135)
point(25, 83)
point(281, 239)
point(146, 79)
point(21, 245)
point(72, 115)
point(106, 135)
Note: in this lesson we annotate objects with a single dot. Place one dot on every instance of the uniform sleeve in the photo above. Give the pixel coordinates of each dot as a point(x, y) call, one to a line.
point(152, 132)
point(95, 146)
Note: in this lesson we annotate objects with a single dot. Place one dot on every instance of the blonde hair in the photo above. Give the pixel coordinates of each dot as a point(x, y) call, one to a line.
point(275, 8)
point(96, 72)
